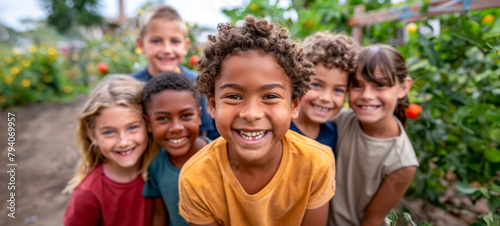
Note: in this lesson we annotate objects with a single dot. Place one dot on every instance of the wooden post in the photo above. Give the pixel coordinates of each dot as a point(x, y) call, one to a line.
point(357, 31)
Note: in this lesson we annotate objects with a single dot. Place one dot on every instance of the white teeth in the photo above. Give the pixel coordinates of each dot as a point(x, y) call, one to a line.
point(176, 141)
point(368, 107)
point(125, 152)
point(252, 135)
point(321, 108)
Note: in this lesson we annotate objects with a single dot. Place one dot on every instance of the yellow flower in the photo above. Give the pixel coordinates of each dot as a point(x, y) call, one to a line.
point(67, 89)
point(26, 63)
point(138, 51)
point(8, 79)
point(488, 19)
point(8, 59)
point(51, 51)
point(254, 7)
point(115, 58)
point(32, 49)
point(411, 28)
point(346, 105)
point(40, 86)
point(3, 99)
point(47, 78)
point(26, 82)
point(15, 70)
point(140, 12)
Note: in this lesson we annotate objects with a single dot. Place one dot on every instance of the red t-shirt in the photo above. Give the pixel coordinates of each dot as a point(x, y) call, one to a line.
point(99, 200)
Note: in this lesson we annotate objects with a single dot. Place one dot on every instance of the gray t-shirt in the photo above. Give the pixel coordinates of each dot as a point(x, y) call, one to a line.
point(363, 162)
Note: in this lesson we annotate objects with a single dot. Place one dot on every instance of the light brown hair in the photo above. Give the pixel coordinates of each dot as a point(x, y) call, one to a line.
point(114, 90)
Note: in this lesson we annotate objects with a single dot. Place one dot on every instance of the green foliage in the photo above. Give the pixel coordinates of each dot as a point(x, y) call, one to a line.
point(488, 220)
point(457, 82)
point(32, 76)
point(63, 14)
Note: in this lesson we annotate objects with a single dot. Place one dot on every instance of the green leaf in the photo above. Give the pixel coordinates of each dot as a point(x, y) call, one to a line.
point(492, 154)
point(393, 217)
point(425, 224)
point(495, 187)
point(465, 188)
point(491, 220)
point(484, 191)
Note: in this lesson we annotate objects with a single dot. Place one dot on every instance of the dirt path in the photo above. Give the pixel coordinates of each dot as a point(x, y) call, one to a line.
point(45, 158)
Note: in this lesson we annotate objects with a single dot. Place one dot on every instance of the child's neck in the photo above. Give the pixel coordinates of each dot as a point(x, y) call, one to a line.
point(306, 126)
point(387, 129)
point(119, 174)
point(254, 176)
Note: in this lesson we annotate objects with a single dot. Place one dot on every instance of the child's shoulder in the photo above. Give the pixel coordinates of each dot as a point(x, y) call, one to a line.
point(308, 147)
point(205, 158)
point(93, 180)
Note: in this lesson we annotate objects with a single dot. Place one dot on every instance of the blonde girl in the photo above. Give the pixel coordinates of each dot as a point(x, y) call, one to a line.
point(115, 151)
point(376, 160)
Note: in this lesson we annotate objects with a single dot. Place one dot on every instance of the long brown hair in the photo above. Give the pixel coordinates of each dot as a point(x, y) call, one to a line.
point(391, 64)
point(114, 90)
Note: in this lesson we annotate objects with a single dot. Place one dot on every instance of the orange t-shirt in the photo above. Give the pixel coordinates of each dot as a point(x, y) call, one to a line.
point(209, 191)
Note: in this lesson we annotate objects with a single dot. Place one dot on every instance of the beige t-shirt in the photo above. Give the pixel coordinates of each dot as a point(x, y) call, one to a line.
point(363, 162)
point(210, 192)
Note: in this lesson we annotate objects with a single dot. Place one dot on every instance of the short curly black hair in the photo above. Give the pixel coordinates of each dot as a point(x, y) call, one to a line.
point(333, 50)
point(167, 81)
point(259, 35)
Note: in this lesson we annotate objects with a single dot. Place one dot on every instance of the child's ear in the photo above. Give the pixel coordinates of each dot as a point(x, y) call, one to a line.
point(138, 42)
point(211, 107)
point(405, 87)
point(148, 123)
point(296, 107)
point(90, 134)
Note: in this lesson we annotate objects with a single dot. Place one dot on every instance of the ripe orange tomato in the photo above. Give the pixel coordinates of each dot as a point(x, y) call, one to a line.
point(413, 111)
point(103, 68)
point(193, 59)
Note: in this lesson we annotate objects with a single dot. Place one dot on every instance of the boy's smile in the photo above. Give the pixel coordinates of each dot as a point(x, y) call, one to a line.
point(164, 45)
point(175, 121)
point(253, 105)
point(326, 97)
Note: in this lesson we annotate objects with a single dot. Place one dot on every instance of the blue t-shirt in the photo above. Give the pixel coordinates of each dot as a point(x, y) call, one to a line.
point(207, 123)
point(327, 135)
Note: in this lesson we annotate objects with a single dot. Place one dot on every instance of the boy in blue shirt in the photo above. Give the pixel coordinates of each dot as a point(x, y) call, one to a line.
point(164, 42)
point(334, 58)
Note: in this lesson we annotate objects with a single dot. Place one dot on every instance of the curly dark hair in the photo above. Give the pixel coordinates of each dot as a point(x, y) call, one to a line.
point(259, 35)
point(333, 50)
point(167, 81)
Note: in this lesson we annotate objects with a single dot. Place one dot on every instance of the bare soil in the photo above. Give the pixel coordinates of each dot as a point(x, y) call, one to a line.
point(46, 158)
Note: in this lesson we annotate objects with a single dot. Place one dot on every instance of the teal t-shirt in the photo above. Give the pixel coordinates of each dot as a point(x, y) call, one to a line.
point(164, 181)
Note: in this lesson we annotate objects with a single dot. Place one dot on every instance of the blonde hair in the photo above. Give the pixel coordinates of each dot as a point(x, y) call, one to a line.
point(159, 11)
point(114, 90)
